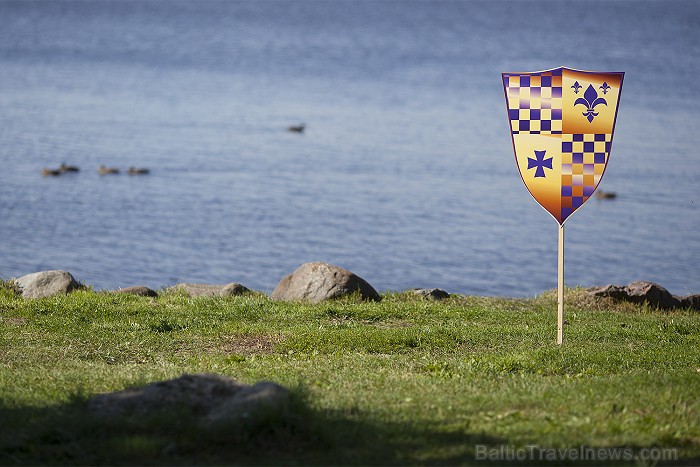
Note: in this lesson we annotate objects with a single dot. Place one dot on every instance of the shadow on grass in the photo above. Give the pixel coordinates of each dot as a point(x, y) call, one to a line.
point(69, 435)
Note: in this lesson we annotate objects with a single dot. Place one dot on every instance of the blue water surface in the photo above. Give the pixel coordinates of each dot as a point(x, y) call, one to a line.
point(405, 174)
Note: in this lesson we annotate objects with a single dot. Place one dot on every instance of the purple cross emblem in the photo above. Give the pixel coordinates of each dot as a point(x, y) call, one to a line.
point(539, 162)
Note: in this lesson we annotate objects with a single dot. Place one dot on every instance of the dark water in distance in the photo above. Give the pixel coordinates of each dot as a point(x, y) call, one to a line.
point(405, 174)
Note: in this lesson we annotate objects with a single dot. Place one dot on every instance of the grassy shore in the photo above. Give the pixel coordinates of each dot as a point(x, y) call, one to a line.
point(403, 381)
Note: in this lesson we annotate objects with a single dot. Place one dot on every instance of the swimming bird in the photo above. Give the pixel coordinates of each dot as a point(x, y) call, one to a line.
point(50, 172)
point(297, 128)
point(135, 171)
point(605, 195)
point(68, 168)
point(107, 170)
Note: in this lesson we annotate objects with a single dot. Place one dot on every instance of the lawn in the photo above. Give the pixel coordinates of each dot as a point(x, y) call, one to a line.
point(466, 380)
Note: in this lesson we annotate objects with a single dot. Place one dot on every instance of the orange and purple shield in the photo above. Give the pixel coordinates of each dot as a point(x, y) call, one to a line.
point(562, 123)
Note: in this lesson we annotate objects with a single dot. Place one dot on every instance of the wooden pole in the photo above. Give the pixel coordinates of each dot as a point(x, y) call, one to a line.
point(560, 291)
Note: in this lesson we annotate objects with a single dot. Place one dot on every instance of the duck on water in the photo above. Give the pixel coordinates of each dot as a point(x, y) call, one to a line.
point(63, 168)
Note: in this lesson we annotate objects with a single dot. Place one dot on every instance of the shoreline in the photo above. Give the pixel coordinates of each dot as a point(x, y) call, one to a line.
point(318, 282)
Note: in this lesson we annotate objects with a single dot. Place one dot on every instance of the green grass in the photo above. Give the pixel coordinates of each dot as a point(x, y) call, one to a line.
point(402, 381)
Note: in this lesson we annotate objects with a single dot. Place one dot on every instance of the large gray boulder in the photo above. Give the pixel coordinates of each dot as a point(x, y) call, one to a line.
point(316, 282)
point(46, 283)
point(212, 399)
point(211, 290)
point(198, 392)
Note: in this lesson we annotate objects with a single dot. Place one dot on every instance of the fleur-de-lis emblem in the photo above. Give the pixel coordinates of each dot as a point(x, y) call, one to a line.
point(590, 99)
point(576, 87)
point(605, 87)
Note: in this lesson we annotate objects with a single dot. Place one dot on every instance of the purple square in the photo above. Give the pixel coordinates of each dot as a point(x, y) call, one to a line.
point(599, 158)
point(524, 125)
point(588, 190)
point(566, 191)
point(556, 91)
point(524, 81)
point(556, 114)
point(566, 146)
point(578, 137)
point(599, 137)
point(566, 212)
point(534, 114)
point(576, 201)
point(556, 72)
point(546, 125)
point(588, 146)
point(546, 81)
point(513, 114)
point(577, 158)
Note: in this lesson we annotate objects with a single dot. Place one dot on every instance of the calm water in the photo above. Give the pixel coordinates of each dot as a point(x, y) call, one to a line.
point(405, 174)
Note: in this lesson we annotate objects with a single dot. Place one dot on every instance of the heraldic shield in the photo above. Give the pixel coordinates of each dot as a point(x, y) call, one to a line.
point(562, 123)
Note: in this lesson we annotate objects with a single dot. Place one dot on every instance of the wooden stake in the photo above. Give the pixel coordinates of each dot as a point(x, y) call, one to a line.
point(560, 292)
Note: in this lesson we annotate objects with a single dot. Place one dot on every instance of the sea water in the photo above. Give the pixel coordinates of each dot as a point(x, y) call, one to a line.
point(405, 174)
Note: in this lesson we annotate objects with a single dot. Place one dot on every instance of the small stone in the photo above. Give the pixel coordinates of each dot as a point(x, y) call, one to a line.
point(433, 294)
point(138, 290)
point(212, 290)
point(46, 283)
point(316, 282)
point(233, 288)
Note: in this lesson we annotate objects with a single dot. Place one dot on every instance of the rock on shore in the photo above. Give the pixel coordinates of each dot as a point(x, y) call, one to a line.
point(316, 282)
point(211, 290)
point(46, 283)
point(646, 292)
point(432, 294)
